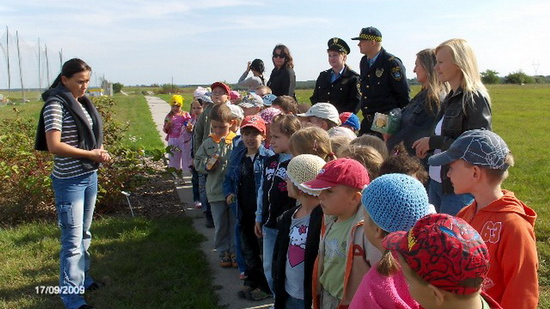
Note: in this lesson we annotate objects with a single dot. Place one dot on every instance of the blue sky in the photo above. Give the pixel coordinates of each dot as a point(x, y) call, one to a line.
point(198, 42)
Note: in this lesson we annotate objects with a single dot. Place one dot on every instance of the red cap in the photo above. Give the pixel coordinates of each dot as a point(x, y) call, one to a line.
point(344, 171)
point(254, 121)
point(222, 85)
point(444, 251)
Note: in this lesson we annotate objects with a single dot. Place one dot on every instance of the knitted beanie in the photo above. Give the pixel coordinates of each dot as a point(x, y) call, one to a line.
point(304, 168)
point(396, 201)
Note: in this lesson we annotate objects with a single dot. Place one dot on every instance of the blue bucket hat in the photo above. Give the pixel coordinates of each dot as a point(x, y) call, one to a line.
point(478, 147)
point(396, 201)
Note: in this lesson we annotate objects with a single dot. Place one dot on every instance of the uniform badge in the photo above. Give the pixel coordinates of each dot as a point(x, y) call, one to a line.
point(359, 88)
point(396, 73)
point(379, 72)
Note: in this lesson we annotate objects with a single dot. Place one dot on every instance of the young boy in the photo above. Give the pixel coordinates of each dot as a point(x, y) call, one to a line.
point(322, 115)
point(345, 254)
point(444, 261)
point(479, 161)
point(242, 182)
point(220, 95)
point(286, 104)
point(350, 121)
point(211, 158)
point(297, 242)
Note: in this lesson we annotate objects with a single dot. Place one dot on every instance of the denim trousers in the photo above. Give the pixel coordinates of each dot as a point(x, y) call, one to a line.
point(195, 183)
point(74, 203)
point(269, 237)
point(224, 228)
point(294, 303)
point(206, 209)
point(447, 203)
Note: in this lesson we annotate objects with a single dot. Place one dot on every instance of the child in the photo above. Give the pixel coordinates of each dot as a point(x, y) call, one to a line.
point(444, 261)
point(322, 115)
point(298, 234)
point(273, 197)
point(263, 91)
point(219, 95)
point(392, 202)
point(345, 255)
point(211, 158)
point(373, 141)
point(350, 121)
point(478, 164)
point(369, 157)
point(242, 181)
point(251, 104)
point(268, 115)
point(286, 104)
point(196, 111)
point(175, 126)
point(312, 140)
point(268, 99)
point(401, 162)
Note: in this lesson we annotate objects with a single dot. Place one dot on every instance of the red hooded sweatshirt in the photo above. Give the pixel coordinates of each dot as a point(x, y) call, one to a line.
point(507, 227)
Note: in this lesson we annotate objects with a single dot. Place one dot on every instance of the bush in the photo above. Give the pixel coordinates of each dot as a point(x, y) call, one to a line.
point(117, 87)
point(519, 78)
point(490, 77)
point(25, 186)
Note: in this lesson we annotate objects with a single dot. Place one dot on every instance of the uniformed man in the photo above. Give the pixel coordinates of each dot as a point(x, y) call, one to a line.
point(338, 85)
point(383, 82)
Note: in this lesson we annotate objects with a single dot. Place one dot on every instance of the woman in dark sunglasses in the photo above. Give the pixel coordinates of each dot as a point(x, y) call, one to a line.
point(283, 79)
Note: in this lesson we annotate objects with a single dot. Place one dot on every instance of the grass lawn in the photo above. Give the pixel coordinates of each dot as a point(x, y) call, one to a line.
point(145, 263)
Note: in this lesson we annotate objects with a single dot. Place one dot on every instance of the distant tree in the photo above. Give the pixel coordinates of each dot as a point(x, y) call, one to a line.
point(518, 78)
point(540, 79)
point(490, 77)
point(117, 87)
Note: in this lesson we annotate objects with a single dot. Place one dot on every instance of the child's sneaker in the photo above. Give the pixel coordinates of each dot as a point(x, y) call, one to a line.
point(234, 260)
point(198, 205)
point(244, 291)
point(225, 260)
point(243, 276)
point(257, 294)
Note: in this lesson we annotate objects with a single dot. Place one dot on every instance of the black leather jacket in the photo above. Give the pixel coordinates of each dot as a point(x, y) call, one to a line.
point(459, 117)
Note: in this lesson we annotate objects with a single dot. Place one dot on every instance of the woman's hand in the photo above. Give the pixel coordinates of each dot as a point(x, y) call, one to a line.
point(422, 146)
point(99, 155)
point(248, 66)
point(258, 230)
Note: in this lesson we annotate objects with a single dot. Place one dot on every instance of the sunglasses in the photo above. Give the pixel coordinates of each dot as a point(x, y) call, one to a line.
point(279, 56)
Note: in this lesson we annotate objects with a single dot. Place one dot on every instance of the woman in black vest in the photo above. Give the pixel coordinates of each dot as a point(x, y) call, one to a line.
point(71, 129)
point(283, 79)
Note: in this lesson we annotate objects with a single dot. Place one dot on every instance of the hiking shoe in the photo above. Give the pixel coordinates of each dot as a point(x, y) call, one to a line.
point(243, 292)
point(257, 294)
point(234, 260)
point(209, 223)
point(198, 205)
point(225, 260)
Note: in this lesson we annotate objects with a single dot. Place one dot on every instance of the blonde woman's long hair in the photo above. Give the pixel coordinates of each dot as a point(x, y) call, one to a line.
point(463, 56)
point(436, 90)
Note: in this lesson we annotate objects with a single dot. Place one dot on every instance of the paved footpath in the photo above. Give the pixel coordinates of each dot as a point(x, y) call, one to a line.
point(226, 280)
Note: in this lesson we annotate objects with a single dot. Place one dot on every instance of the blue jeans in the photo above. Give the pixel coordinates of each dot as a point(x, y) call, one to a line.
point(294, 303)
point(204, 200)
point(74, 203)
point(447, 203)
point(269, 236)
point(195, 183)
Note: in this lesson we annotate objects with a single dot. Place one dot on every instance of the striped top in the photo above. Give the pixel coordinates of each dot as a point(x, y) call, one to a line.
point(57, 117)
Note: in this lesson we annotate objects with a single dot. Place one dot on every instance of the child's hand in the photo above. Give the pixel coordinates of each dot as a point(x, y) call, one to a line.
point(189, 127)
point(422, 146)
point(258, 230)
point(230, 199)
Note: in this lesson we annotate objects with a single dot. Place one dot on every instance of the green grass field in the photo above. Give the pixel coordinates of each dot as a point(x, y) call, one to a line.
point(520, 115)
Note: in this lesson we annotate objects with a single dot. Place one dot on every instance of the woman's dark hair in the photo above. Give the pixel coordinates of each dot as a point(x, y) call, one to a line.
point(289, 62)
point(70, 68)
point(258, 66)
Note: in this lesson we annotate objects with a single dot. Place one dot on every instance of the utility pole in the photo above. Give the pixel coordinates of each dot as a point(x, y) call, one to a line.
point(47, 64)
point(8, 58)
point(39, 63)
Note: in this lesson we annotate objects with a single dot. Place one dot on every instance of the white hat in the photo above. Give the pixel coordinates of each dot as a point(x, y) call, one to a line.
point(236, 110)
point(342, 131)
point(251, 100)
point(324, 111)
point(304, 168)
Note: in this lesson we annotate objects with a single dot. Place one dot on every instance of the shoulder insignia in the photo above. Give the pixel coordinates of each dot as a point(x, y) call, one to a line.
point(391, 58)
point(396, 73)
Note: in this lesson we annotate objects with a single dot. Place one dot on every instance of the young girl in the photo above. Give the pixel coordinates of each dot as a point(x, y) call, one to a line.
point(392, 202)
point(312, 140)
point(196, 111)
point(175, 124)
point(400, 161)
point(273, 197)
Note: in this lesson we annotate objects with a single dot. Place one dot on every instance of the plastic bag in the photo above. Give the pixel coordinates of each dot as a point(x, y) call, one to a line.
point(387, 123)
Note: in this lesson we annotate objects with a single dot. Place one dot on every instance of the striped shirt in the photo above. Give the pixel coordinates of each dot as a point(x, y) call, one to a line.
point(57, 117)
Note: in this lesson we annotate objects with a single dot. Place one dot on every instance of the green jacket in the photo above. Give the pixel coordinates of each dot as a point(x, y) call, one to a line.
point(214, 181)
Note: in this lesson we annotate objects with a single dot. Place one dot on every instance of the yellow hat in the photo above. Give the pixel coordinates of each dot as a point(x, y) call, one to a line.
point(177, 100)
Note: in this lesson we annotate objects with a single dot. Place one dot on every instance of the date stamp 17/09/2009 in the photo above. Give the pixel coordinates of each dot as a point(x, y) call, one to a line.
point(56, 290)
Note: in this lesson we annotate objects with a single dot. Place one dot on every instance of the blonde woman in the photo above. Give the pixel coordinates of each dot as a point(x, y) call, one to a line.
point(417, 118)
point(466, 107)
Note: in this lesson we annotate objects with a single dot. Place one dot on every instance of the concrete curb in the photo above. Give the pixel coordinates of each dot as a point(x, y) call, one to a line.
point(226, 280)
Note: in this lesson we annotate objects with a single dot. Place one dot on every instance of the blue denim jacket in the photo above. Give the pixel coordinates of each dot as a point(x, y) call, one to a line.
point(233, 175)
